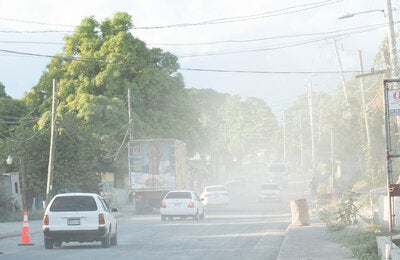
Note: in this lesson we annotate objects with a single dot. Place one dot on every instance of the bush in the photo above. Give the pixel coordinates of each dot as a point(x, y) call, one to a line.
point(342, 214)
point(16, 216)
point(7, 203)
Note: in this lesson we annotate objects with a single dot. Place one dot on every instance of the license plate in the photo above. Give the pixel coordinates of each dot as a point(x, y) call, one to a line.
point(73, 221)
point(177, 204)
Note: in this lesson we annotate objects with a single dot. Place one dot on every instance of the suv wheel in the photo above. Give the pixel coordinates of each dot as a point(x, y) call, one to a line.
point(105, 242)
point(196, 216)
point(114, 239)
point(48, 243)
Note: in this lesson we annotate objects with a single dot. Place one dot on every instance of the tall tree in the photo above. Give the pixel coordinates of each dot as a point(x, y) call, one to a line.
point(98, 65)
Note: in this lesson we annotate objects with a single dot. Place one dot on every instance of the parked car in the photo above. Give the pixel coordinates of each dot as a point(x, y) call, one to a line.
point(215, 195)
point(269, 191)
point(79, 217)
point(181, 203)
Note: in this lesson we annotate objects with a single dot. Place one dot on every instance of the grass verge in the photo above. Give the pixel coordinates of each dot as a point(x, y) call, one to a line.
point(360, 239)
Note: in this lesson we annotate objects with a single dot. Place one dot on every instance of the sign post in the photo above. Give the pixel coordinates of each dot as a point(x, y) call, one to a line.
point(392, 108)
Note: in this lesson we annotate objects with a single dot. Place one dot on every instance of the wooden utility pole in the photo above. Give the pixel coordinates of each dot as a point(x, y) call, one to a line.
point(50, 169)
point(301, 145)
point(332, 164)
point(130, 119)
point(343, 80)
point(284, 136)
point(364, 106)
point(130, 142)
point(391, 39)
point(310, 108)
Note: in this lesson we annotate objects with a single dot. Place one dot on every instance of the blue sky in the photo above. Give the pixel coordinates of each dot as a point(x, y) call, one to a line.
point(270, 36)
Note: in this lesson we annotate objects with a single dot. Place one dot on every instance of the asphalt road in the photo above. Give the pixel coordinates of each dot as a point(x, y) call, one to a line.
point(245, 230)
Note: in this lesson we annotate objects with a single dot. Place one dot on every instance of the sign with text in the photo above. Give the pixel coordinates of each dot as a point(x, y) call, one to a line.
point(394, 101)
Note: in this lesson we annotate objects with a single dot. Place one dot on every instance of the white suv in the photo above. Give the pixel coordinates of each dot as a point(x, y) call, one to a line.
point(79, 217)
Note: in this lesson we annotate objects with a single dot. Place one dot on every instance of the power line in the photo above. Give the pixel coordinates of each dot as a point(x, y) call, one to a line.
point(288, 45)
point(267, 72)
point(379, 26)
point(194, 69)
point(34, 22)
point(281, 46)
point(284, 11)
point(353, 30)
point(34, 31)
point(32, 42)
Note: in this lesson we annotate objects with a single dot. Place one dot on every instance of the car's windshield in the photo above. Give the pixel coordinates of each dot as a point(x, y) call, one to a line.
point(73, 203)
point(178, 195)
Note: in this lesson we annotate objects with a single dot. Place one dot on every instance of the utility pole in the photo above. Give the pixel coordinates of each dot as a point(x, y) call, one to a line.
point(310, 108)
point(341, 74)
point(301, 146)
point(391, 39)
point(364, 107)
point(332, 164)
point(130, 142)
point(130, 119)
point(52, 144)
point(284, 136)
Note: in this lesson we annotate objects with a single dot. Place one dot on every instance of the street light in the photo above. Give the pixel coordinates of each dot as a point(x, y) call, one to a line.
point(387, 12)
point(10, 161)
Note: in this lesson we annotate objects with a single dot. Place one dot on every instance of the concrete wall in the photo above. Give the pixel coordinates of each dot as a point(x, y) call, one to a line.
point(382, 211)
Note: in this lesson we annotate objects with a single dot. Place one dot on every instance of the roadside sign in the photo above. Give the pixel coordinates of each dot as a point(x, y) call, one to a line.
point(394, 101)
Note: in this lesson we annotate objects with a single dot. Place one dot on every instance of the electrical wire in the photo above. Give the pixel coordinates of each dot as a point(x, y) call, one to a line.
point(352, 30)
point(283, 11)
point(268, 72)
point(279, 12)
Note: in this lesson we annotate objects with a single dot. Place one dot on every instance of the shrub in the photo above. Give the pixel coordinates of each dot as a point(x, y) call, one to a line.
point(341, 215)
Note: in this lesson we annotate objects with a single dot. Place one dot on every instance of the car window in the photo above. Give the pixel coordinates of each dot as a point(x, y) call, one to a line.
point(104, 205)
point(179, 195)
point(73, 203)
point(196, 197)
point(208, 189)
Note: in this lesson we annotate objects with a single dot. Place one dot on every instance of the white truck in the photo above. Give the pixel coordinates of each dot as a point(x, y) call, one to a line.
point(156, 166)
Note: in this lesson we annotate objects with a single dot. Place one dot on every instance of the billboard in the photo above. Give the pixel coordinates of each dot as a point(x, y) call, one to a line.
point(152, 165)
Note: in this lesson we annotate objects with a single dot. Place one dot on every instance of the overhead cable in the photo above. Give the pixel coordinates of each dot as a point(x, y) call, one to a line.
point(267, 72)
point(283, 11)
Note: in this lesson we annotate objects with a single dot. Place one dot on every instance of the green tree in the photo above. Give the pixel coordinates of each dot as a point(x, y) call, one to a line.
point(98, 65)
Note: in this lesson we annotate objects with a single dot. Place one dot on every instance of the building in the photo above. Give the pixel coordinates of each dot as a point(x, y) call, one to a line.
point(9, 183)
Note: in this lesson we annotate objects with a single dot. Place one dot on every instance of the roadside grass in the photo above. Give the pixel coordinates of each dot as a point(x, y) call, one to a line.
point(343, 220)
point(360, 239)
